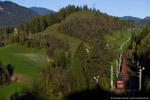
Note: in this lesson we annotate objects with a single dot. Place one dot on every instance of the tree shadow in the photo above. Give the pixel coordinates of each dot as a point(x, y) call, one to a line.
point(105, 95)
point(92, 95)
point(132, 68)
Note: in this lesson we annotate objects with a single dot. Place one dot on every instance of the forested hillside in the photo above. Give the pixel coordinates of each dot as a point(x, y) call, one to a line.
point(77, 51)
point(92, 22)
point(12, 14)
point(139, 53)
point(84, 24)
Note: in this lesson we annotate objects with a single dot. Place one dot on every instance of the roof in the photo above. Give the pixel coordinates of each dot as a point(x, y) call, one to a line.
point(121, 77)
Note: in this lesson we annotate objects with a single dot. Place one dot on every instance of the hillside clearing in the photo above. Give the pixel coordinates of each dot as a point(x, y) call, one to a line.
point(24, 60)
point(116, 39)
point(73, 42)
point(11, 89)
point(26, 63)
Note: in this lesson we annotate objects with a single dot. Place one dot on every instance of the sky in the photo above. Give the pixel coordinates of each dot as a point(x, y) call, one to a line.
point(136, 8)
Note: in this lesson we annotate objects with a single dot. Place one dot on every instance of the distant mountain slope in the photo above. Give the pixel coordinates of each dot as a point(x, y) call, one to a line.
point(41, 11)
point(138, 21)
point(13, 14)
point(131, 18)
point(144, 21)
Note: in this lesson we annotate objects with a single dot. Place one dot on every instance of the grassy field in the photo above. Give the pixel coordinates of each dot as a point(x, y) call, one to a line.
point(25, 61)
point(115, 39)
point(7, 91)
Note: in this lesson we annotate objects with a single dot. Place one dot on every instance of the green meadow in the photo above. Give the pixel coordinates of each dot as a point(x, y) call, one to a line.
point(26, 61)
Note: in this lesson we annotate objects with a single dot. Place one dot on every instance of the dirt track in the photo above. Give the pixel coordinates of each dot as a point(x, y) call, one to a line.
point(21, 78)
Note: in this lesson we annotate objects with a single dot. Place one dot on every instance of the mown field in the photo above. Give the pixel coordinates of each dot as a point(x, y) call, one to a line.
point(26, 63)
point(116, 39)
point(11, 89)
point(24, 60)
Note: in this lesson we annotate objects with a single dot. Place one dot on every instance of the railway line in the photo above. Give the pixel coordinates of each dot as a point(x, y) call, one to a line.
point(128, 81)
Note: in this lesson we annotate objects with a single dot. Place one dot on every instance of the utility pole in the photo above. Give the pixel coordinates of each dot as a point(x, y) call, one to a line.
point(117, 68)
point(120, 61)
point(111, 77)
point(140, 77)
point(97, 86)
point(137, 64)
point(133, 59)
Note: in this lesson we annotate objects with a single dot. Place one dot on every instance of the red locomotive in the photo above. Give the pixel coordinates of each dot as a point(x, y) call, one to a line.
point(121, 81)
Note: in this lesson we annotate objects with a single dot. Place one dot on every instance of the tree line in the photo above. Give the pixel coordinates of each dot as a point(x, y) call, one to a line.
point(37, 24)
point(7, 30)
point(40, 23)
point(139, 52)
point(6, 72)
point(4, 32)
point(85, 24)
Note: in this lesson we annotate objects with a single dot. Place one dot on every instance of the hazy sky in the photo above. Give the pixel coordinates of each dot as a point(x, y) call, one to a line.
point(137, 8)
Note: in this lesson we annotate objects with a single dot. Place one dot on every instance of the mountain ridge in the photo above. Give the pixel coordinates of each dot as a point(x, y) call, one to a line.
point(41, 10)
point(12, 14)
point(138, 21)
point(130, 17)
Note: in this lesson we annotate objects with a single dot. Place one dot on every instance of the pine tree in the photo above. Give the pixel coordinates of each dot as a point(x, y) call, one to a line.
point(38, 26)
point(96, 59)
point(62, 14)
point(69, 57)
point(62, 59)
point(78, 70)
point(50, 19)
point(27, 27)
point(133, 37)
point(43, 23)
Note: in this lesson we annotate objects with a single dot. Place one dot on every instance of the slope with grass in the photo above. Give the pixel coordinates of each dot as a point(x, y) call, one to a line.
point(7, 91)
point(73, 42)
point(84, 24)
point(116, 40)
point(24, 60)
point(26, 63)
point(11, 89)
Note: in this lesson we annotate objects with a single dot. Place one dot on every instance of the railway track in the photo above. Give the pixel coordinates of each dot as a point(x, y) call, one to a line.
point(130, 82)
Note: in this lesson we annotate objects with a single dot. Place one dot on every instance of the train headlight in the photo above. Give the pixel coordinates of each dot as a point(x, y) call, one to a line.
point(143, 68)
